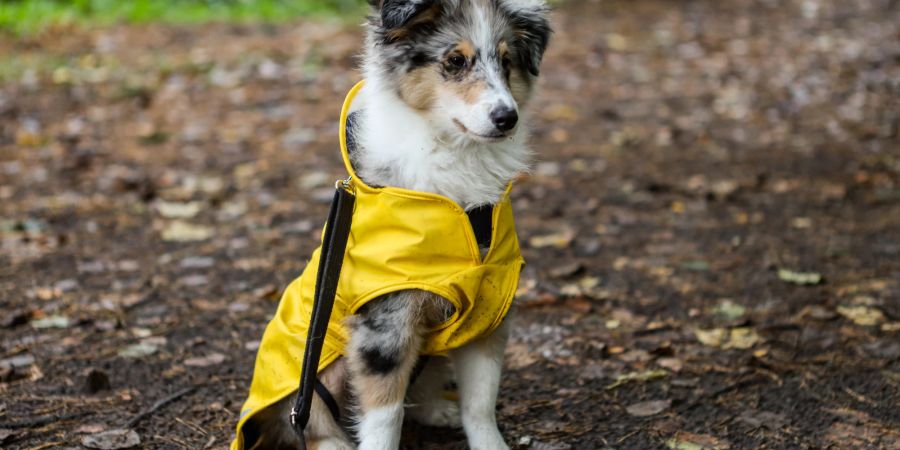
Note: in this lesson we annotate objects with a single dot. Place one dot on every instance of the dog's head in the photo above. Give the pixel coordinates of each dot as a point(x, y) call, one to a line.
point(467, 65)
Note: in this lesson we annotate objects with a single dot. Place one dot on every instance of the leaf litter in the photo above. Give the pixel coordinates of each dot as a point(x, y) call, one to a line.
point(243, 163)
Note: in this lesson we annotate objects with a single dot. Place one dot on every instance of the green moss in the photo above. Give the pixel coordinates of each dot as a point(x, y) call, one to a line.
point(29, 16)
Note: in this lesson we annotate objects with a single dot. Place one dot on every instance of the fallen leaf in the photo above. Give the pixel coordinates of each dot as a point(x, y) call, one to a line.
point(138, 350)
point(197, 262)
point(862, 315)
point(559, 240)
point(193, 280)
point(588, 283)
point(740, 338)
point(690, 441)
point(673, 364)
point(730, 310)
point(696, 266)
point(26, 138)
point(817, 312)
point(211, 359)
point(567, 270)
point(801, 222)
point(616, 42)
point(91, 428)
point(315, 180)
point(649, 408)
point(570, 290)
point(176, 210)
point(800, 278)
point(526, 288)
point(757, 419)
point(579, 305)
point(18, 361)
point(54, 321)
point(538, 445)
point(185, 232)
point(6, 434)
point(646, 375)
point(112, 439)
point(636, 355)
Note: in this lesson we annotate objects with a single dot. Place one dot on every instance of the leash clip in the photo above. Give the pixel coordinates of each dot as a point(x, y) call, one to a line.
point(294, 414)
point(344, 184)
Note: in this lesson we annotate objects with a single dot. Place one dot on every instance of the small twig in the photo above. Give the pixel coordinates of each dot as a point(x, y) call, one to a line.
point(210, 442)
point(192, 426)
point(173, 439)
point(40, 421)
point(859, 397)
point(749, 381)
point(149, 297)
point(623, 438)
point(48, 445)
point(159, 405)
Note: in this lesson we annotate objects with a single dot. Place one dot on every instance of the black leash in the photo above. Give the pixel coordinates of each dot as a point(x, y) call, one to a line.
point(331, 257)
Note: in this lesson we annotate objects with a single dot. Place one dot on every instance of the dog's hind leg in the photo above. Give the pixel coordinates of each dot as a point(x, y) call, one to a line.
point(426, 399)
point(271, 429)
point(478, 368)
point(386, 336)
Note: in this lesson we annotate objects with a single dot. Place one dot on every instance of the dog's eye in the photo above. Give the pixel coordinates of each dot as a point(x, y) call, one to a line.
point(457, 61)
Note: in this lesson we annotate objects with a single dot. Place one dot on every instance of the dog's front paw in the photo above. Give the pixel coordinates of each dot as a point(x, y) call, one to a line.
point(332, 444)
point(437, 412)
point(488, 440)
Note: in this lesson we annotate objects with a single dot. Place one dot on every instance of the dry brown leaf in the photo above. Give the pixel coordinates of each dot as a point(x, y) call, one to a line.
point(690, 441)
point(862, 315)
point(649, 408)
point(186, 232)
point(211, 359)
point(561, 239)
point(740, 338)
point(112, 440)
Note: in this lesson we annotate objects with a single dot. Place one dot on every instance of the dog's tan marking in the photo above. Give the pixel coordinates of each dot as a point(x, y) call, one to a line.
point(502, 49)
point(466, 49)
point(429, 15)
point(469, 90)
point(417, 88)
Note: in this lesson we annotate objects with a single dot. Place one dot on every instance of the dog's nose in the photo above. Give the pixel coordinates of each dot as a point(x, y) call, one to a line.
point(504, 118)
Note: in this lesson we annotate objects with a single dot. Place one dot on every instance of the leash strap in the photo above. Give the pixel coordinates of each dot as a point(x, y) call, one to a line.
point(331, 257)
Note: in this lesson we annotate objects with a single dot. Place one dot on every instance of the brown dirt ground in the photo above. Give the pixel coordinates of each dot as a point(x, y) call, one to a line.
point(691, 152)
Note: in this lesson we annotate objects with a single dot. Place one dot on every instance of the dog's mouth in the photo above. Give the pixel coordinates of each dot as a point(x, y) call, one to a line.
point(493, 137)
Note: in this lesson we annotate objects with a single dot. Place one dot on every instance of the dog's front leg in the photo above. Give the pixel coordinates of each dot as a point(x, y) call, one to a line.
point(384, 345)
point(478, 368)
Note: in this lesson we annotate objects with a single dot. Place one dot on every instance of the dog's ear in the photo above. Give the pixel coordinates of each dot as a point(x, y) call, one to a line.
point(397, 14)
point(532, 29)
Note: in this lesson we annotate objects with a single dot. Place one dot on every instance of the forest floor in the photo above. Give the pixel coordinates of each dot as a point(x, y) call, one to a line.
point(712, 229)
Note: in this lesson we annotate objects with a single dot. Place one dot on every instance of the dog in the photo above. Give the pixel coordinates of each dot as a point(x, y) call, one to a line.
point(442, 111)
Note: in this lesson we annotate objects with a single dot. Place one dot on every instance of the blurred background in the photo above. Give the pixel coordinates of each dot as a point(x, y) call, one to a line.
point(712, 228)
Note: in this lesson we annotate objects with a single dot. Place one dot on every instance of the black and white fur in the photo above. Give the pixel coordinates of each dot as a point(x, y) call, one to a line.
point(442, 111)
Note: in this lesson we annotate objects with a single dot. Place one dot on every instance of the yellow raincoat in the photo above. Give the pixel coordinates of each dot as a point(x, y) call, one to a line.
point(399, 239)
